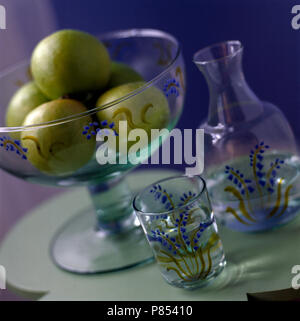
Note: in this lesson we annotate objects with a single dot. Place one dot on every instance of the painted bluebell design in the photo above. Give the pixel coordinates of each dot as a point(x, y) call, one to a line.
point(13, 145)
point(237, 178)
point(264, 182)
point(179, 238)
point(171, 87)
point(102, 128)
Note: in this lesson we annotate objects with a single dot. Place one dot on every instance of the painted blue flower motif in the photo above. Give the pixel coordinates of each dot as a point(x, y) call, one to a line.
point(238, 179)
point(272, 174)
point(268, 180)
point(163, 196)
point(263, 176)
point(171, 87)
point(167, 242)
point(186, 197)
point(95, 128)
point(11, 145)
point(174, 232)
point(258, 154)
point(179, 238)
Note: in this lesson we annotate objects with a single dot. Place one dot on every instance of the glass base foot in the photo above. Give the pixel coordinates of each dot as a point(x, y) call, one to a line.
point(79, 248)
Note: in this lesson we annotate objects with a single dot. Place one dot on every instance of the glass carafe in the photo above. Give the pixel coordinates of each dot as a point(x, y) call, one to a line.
point(251, 161)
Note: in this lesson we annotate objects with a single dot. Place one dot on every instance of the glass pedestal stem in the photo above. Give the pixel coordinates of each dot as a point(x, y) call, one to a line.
point(115, 242)
point(112, 203)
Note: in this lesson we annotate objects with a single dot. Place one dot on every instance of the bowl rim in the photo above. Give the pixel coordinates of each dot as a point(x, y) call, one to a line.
point(129, 33)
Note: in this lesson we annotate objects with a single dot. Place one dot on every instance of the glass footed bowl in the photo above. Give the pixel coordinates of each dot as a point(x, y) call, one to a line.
point(86, 244)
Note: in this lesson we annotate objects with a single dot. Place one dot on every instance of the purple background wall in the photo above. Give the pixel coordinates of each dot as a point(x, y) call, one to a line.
point(263, 26)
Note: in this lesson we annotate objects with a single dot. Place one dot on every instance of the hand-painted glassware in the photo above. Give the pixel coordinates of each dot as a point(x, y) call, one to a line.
point(179, 224)
point(251, 161)
point(111, 239)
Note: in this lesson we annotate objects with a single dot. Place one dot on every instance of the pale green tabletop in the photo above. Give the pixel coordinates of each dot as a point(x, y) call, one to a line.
point(256, 262)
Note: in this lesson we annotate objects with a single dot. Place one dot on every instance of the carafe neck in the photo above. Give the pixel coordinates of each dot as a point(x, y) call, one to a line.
point(231, 99)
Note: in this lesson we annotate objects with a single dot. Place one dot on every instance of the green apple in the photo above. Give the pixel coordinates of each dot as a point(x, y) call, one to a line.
point(23, 102)
point(58, 149)
point(147, 110)
point(122, 74)
point(70, 61)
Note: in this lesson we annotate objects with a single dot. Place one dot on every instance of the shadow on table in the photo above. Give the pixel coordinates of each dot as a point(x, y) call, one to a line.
point(257, 257)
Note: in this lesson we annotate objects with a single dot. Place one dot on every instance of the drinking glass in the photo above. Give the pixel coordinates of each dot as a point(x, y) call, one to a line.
point(179, 224)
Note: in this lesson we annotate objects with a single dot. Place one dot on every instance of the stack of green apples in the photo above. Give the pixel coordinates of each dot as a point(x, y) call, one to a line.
point(72, 73)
